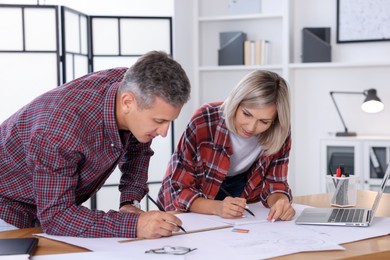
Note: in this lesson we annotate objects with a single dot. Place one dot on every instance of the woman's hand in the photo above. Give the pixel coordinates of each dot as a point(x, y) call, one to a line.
point(280, 207)
point(231, 207)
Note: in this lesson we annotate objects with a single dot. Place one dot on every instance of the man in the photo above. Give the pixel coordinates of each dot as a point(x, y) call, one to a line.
point(58, 150)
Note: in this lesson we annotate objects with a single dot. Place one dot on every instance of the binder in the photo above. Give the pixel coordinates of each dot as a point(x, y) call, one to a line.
point(17, 248)
point(231, 50)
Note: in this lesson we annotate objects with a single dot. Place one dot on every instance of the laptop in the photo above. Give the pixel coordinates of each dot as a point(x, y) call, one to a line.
point(357, 217)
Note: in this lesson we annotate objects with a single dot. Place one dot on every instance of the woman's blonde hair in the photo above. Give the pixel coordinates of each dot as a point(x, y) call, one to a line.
point(260, 89)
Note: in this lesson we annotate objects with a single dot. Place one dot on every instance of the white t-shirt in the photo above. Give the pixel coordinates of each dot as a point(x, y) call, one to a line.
point(245, 152)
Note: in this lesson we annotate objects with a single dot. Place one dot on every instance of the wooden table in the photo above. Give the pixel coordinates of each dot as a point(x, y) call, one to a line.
point(373, 248)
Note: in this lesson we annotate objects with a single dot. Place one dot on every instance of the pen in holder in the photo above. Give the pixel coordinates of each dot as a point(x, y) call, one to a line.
point(342, 190)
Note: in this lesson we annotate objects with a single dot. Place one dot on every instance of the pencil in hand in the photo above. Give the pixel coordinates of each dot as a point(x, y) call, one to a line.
point(161, 209)
point(228, 194)
point(155, 203)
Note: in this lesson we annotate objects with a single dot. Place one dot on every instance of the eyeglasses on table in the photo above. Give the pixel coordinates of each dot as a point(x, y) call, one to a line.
point(171, 250)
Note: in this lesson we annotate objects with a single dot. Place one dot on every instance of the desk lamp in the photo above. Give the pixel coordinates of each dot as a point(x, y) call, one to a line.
point(371, 104)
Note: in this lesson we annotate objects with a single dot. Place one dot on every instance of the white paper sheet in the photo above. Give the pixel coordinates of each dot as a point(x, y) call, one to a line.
point(264, 239)
point(93, 244)
point(192, 222)
point(341, 235)
point(105, 256)
point(258, 210)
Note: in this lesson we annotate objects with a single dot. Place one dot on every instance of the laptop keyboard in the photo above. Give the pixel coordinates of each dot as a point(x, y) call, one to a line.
point(346, 215)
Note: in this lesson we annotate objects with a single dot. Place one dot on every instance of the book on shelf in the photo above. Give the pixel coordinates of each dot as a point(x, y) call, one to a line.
point(256, 52)
point(17, 248)
point(248, 57)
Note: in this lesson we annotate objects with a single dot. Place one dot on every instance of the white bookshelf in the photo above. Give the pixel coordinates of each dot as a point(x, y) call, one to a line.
point(214, 82)
point(322, 65)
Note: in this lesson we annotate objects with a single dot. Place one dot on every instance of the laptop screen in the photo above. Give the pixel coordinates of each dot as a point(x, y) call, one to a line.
point(381, 189)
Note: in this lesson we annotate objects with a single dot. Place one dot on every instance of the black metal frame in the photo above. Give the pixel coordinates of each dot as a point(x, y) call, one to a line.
point(63, 42)
point(338, 36)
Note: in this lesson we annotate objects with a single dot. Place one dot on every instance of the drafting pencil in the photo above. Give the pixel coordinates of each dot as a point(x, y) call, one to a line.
point(161, 209)
point(228, 194)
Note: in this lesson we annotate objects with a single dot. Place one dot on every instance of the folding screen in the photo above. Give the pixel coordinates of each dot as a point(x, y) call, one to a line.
point(75, 47)
point(34, 60)
point(129, 38)
point(29, 54)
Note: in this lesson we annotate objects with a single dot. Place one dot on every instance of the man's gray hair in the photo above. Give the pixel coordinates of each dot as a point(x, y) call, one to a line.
point(156, 74)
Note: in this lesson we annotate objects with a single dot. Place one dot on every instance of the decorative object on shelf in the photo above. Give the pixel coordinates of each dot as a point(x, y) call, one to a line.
point(371, 104)
point(363, 21)
point(231, 50)
point(316, 44)
point(237, 7)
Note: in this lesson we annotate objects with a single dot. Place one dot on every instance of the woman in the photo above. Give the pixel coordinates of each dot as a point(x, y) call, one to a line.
point(235, 152)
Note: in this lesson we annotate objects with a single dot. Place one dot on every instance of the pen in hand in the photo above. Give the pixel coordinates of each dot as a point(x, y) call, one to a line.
point(161, 209)
point(228, 194)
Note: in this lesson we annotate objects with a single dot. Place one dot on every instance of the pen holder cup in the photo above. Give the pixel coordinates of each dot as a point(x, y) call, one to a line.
point(342, 190)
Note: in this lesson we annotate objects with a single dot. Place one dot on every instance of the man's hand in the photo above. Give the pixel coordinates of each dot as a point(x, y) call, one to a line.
point(231, 207)
point(280, 207)
point(130, 209)
point(154, 224)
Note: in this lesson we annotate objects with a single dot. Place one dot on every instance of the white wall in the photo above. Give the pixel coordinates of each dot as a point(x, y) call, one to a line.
point(183, 45)
point(315, 116)
point(319, 13)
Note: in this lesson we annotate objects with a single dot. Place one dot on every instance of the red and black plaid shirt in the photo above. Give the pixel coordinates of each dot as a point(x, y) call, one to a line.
point(201, 162)
point(57, 151)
